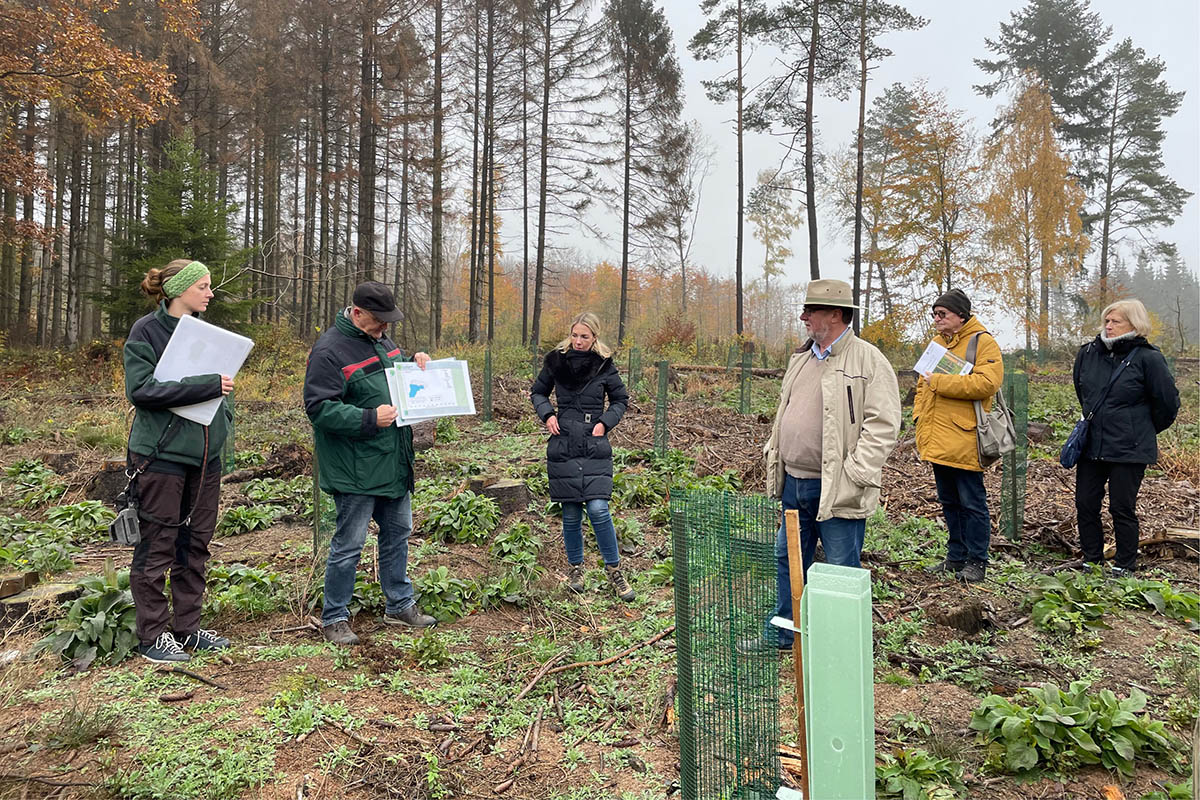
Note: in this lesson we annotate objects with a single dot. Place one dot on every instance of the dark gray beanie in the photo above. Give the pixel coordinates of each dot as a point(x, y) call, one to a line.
point(955, 300)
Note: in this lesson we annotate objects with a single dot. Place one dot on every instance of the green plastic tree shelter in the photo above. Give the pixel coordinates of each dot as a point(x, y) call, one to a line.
point(839, 687)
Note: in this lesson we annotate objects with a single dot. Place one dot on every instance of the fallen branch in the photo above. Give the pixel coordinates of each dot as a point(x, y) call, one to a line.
point(308, 626)
point(193, 676)
point(545, 671)
point(175, 697)
point(541, 673)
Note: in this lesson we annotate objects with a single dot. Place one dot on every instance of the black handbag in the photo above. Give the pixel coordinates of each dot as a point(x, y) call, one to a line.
point(1072, 449)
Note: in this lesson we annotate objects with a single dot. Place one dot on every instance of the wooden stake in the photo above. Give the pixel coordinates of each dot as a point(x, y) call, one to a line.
point(796, 570)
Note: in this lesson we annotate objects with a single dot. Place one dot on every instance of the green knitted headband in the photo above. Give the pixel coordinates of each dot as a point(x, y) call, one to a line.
point(178, 283)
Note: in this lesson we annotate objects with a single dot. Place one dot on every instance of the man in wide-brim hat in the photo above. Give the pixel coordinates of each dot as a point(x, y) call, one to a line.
point(837, 421)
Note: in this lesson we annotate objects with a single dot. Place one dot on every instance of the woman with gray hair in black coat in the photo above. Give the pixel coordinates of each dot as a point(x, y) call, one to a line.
point(581, 373)
point(1126, 418)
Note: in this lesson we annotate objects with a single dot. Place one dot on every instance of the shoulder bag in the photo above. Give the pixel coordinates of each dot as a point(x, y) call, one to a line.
point(1073, 448)
point(995, 433)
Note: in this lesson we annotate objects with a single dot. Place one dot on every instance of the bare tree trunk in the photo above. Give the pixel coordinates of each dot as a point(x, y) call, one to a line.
point(858, 175)
point(626, 155)
point(810, 178)
point(435, 266)
point(25, 287)
point(540, 270)
point(478, 179)
point(741, 173)
point(366, 150)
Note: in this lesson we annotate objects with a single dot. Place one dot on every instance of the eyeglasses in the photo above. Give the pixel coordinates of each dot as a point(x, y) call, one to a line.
point(940, 314)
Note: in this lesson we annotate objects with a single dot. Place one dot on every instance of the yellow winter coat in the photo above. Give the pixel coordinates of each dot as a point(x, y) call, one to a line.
point(943, 409)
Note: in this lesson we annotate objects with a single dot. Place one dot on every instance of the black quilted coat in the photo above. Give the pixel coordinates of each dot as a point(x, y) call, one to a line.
point(1141, 404)
point(579, 464)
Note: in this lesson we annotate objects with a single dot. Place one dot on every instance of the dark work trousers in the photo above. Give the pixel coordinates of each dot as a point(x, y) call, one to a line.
point(1124, 481)
point(181, 549)
point(964, 504)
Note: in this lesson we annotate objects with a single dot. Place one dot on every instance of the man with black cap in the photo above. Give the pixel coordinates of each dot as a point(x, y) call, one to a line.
point(836, 423)
point(944, 413)
point(365, 461)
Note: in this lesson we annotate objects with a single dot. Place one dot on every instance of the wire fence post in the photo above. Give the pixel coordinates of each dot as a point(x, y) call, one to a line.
point(487, 385)
point(745, 399)
point(660, 410)
point(1015, 464)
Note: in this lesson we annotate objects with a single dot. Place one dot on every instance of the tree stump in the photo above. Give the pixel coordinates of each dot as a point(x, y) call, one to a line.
point(62, 462)
point(968, 617)
point(106, 484)
point(424, 435)
point(1039, 431)
point(39, 602)
point(510, 495)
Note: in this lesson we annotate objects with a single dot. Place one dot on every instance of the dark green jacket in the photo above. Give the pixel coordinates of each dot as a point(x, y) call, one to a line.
point(184, 444)
point(343, 385)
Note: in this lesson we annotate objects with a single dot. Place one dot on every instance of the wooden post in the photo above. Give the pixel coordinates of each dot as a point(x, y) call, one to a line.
point(796, 570)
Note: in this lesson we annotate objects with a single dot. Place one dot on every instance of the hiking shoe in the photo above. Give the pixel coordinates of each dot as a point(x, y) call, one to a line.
point(974, 572)
point(1122, 572)
point(411, 616)
point(946, 565)
point(201, 639)
point(620, 586)
point(339, 633)
point(759, 644)
point(575, 578)
point(164, 650)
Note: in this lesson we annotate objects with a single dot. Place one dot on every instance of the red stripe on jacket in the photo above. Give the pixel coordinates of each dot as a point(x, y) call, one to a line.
point(394, 353)
point(350, 369)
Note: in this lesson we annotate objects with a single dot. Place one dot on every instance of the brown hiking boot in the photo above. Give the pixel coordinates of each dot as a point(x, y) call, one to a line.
point(575, 578)
point(620, 586)
point(339, 633)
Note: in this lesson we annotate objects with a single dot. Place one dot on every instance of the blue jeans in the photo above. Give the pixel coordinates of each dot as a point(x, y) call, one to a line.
point(964, 503)
point(354, 511)
point(602, 525)
point(841, 538)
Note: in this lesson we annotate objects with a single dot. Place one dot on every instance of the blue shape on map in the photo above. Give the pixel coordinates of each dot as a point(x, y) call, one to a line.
point(413, 388)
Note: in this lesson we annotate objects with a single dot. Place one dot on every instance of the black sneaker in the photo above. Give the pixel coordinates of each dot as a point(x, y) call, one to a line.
point(411, 617)
point(201, 639)
point(946, 566)
point(164, 650)
point(973, 572)
point(339, 633)
point(1122, 572)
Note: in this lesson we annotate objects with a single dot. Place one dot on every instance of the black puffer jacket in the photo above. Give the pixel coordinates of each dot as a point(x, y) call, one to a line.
point(1140, 405)
point(579, 464)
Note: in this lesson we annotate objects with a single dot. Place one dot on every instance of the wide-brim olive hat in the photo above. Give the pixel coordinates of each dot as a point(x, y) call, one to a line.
point(829, 292)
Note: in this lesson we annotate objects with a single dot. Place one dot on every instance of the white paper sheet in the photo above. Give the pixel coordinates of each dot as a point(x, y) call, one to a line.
point(937, 358)
point(442, 389)
point(200, 348)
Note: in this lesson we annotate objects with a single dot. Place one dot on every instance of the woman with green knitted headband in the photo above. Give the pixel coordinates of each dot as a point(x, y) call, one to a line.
point(177, 469)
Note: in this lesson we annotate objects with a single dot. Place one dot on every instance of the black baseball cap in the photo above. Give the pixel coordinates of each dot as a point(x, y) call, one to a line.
point(377, 298)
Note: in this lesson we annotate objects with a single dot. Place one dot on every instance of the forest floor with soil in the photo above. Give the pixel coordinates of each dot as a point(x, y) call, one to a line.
point(504, 698)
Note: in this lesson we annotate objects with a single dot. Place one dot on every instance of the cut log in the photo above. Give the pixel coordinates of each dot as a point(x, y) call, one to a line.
point(757, 372)
point(106, 484)
point(16, 582)
point(39, 602)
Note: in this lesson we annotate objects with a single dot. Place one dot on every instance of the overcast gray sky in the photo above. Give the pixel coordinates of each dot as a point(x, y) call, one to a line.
point(941, 53)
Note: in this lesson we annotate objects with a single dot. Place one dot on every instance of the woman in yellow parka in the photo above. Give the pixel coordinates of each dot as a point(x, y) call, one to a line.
point(944, 413)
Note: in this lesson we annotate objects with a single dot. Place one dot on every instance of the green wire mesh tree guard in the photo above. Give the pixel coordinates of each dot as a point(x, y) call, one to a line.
point(487, 385)
point(732, 358)
point(660, 410)
point(228, 451)
point(635, 368)
point(1014, 465)
point(724, 552)
point(744, 407)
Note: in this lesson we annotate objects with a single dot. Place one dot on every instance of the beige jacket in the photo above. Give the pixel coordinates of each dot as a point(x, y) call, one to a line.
point(861, 402)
